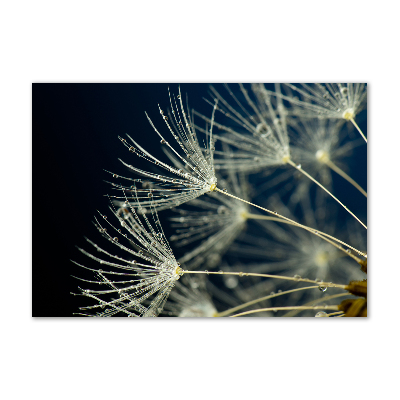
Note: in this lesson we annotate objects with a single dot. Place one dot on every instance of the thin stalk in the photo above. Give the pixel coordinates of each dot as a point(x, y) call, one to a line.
point(343, 174)
point(298, 167)
point(264, 217)
point(335, 313)
point(300, 308)
point(313, 231)
point(358, 128)
point(250, 303)
point(288, 278)
point(334, 296)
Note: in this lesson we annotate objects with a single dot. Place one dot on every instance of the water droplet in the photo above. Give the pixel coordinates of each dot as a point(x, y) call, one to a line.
point(220, 272)
point(272, 294)
point(207, 272)
point(323, 288)
point(179, 96)
point(115, 239)
point(230, 281)
point(222, 210)
point(150, 194)
point(115, 176)
point(298, 166)
point(321, 314)
point(240, 273)
point(162, 141)
point(297, 277)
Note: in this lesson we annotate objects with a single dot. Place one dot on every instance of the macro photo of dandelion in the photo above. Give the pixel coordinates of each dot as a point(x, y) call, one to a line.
point(250, 192)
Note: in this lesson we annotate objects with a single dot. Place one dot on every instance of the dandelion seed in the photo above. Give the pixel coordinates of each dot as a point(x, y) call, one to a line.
point(259, 133)
point(193, 164)
point(217, 221)
point(142, 284)
point(327, 100)
point(190, 299)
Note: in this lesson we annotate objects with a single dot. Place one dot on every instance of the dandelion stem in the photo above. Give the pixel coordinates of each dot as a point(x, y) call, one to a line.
point(285, 308)
point(336, 313)
point(343, 174)
point(298, 167)
point(288, 278)
point(250, 303)
point(313, 231)
point(358, 128)
point(326, 298)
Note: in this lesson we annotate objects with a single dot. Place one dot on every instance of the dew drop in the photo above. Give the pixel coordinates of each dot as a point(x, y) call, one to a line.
point(321, 314)
point(323, 288)
point(222, 210)
point(297, 277)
